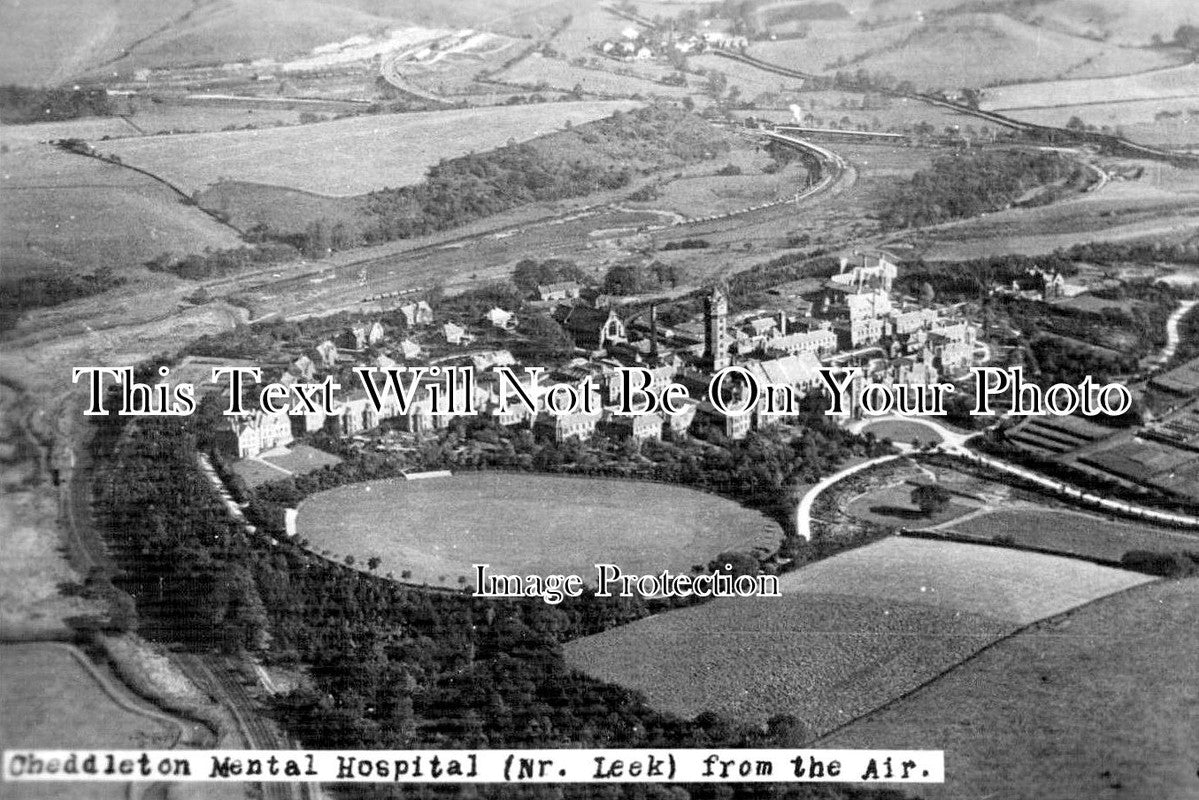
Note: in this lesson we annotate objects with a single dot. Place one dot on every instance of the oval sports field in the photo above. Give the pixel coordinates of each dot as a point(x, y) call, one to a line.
point(526, 524)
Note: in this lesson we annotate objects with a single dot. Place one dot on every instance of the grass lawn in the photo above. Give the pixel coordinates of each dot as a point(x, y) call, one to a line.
point(903, 431)
point(892, 505)
point(849, 634)
point(527, 524)
point(1098, 703)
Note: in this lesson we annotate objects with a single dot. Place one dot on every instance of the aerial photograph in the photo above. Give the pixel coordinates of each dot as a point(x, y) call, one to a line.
point(654, 376)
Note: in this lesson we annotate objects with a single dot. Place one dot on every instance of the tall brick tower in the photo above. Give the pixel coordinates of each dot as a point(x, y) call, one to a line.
point(716, 329)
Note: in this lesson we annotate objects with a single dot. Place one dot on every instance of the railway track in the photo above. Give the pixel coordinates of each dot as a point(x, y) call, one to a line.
point(216, 676)
point(1113, 144)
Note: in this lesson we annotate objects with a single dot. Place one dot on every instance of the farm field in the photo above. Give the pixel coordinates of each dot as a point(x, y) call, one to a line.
point(51, 701)
point(943, 54)
point(702, 192)
point(439, 528)
point(67, 213)
point(562, 75)
point(1162, 203)
point(1131, 22)
point(1072, 533)
point(850, 634)
point(1171, 122)
point(746, 77)
point(1099, 702)
point(356, 155)
point(1173, 82)
point(829, 43)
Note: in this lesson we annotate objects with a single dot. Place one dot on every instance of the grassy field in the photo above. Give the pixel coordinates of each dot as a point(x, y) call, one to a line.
point(1171, 122)
point(700, 191)
point(1073, 533)
point(527, 524)
point(945, 53)
point(68, 213)
point(557, 74)
point(850, 633)
point(1161, 204)
point(893, 506)
point(1097, 703)
point(1156, 85)
point(47, 42)
point(51, 701)
point(832, 42)
point(350, 156)
point(902, 431)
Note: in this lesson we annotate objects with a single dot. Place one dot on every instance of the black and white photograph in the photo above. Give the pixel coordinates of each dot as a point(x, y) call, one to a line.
point(626, 399)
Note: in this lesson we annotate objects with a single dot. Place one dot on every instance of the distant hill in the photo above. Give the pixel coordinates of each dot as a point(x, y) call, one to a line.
point(49, 42)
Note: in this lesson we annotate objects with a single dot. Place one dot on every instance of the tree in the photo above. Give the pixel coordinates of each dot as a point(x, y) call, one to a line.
point(373, 563)
point(1187, 36)
point(931, 498)
point(927, 294)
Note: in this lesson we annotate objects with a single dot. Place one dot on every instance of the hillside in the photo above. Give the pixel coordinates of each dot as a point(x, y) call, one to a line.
point(49, 42)
point(850, 633)
point(944, 53)
point(1063, 710)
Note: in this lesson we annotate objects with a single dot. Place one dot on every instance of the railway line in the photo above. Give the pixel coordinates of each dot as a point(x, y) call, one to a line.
point(222, 685)
point(1113, 144)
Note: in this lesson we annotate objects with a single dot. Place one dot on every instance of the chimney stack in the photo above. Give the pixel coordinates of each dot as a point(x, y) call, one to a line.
point(653, 331)
point(782, 323)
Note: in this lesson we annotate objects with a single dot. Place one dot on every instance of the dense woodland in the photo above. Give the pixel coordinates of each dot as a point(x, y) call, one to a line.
point(968, 184)
point(18, 295)
point(394, 666)
point(23, 104)
point(601, 155)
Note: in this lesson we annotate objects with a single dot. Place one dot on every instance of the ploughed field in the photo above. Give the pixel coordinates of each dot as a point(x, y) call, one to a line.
point(1096, 703)
point(436, 529)
point(1073, 533)
point(850, 633)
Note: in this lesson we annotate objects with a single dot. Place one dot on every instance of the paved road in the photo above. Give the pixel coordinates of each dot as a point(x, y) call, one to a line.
point(1173, 335)
point(954, 443)
point(803, 514)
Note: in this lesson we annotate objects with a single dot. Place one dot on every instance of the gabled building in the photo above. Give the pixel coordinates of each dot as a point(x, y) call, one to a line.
point(456, 334)
point(250, 434)
point(562, 290)
point(326, 354)
point(417, 315)
point(352, 338)
point(580, 425)
point(591, 329)
point(303, 368)
point(637, 427)
point(818, 342)
point(499, 318)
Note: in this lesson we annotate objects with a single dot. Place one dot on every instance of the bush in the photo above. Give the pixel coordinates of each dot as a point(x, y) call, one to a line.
point(1165, 565)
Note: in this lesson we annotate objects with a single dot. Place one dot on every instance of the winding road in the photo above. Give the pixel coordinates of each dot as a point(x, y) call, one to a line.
point(954, 443)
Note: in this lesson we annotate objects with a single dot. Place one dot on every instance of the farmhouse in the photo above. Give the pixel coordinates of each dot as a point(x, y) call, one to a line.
point(417, 314)
point(499, 318)
point(563, 290)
